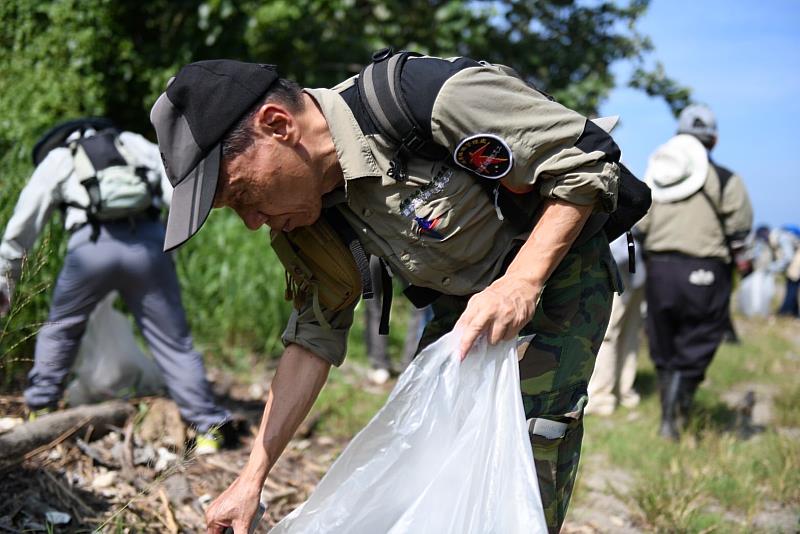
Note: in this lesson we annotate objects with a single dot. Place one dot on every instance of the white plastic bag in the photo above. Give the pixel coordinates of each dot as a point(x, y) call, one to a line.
point(110, 364)
point(756, 293)
point(447, 453)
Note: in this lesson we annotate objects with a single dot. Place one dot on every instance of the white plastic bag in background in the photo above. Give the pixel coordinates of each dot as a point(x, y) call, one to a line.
point(447, 453)
point(756, 292)
point(110, 364)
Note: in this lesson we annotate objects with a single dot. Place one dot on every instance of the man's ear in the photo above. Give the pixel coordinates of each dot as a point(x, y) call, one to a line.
point(276, 121)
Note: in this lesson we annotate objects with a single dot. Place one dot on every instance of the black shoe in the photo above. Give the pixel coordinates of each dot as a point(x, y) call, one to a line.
point(668, 386)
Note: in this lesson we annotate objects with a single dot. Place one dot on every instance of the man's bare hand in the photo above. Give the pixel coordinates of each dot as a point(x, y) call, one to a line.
point(502, 309)
point(235, 507)
point(499, 311)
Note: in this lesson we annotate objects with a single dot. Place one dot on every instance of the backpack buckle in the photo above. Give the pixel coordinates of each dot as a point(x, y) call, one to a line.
point(411, 145)
point(413, 142)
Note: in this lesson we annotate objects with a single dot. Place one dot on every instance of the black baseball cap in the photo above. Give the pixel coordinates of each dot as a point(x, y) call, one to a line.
point(200, 105)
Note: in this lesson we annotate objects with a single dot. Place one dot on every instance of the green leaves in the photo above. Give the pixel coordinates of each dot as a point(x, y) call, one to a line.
point(655, 82)
point(67, 58)
point(233, 287)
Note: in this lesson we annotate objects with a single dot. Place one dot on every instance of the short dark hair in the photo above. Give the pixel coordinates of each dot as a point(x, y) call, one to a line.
point(241, 136)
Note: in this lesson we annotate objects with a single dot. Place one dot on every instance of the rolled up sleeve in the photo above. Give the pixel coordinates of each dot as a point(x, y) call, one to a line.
point(330, 344)
point(587, 185)
point(555, 150)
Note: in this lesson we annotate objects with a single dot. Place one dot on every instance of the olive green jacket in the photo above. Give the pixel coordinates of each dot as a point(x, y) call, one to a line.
point(439, 228)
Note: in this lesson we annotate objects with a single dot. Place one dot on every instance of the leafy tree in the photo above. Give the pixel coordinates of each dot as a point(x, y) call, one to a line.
point(66, 58)
point(566, 47)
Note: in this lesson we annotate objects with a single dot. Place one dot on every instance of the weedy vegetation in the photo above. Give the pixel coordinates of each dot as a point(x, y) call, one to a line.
point(737, 463)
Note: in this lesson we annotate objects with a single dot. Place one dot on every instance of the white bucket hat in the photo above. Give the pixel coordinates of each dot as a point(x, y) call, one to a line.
point(677, 169)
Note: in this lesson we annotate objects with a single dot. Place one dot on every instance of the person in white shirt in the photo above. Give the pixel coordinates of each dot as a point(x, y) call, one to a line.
point(105, 254)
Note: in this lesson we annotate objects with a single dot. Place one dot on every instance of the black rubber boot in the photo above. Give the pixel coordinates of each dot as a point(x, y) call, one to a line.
point(687, 387)
point(669, 385)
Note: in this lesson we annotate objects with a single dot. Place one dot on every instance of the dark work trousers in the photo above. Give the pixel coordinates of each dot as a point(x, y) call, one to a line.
point(687, 311)
point(128, 259)
point(790, 304)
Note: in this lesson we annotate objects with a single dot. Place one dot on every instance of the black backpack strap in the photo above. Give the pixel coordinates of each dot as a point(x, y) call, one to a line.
point(378, 85)
point(724, 176)
point(101, 150)
point(421, 296)
point(92, 187)
point(386, 295)
point(348, 235)
point(382, 97)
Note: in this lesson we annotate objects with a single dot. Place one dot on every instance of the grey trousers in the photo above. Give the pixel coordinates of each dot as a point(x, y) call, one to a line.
point(128, 259)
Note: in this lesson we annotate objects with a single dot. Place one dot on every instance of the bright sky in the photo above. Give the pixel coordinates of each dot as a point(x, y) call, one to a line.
point(742, 58)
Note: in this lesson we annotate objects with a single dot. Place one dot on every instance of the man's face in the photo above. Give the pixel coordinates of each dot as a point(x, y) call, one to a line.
point(270, 183)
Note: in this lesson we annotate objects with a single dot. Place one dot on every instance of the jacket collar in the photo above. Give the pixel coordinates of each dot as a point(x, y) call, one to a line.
point(352, 148)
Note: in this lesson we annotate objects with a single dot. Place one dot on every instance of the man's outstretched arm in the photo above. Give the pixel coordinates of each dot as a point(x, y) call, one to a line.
point(502, 309)
point(295, 387)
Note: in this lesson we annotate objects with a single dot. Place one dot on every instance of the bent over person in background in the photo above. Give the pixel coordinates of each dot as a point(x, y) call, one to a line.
point(110, 187)
point(235, 134)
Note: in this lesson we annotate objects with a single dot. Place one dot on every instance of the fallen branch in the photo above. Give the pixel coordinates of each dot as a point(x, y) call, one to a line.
point(69, 432)
point(60, 425)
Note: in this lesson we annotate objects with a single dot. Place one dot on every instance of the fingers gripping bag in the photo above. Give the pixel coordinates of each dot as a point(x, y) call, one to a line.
point(447, 454)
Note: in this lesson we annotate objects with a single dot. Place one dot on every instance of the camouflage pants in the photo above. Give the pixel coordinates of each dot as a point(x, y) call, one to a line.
point(567, 328)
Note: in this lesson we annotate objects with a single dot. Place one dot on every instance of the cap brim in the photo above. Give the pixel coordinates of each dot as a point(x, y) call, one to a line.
point(192, 200)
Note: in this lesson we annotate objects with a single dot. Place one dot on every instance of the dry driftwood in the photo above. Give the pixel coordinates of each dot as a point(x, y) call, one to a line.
point(47, 428)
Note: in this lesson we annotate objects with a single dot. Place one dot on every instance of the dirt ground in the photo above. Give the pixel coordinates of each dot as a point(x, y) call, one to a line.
point(162, 487)
point(141, 477)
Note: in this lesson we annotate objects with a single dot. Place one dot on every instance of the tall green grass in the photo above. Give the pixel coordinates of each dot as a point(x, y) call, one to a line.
point(30, 303)
point(232, 286)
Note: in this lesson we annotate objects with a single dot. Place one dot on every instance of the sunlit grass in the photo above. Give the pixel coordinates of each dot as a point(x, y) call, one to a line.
point(720, 475)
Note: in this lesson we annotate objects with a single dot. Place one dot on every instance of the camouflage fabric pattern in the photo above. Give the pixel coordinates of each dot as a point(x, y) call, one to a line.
point(557, 361)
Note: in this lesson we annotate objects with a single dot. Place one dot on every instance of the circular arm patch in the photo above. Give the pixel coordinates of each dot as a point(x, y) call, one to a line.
point(486, 155)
